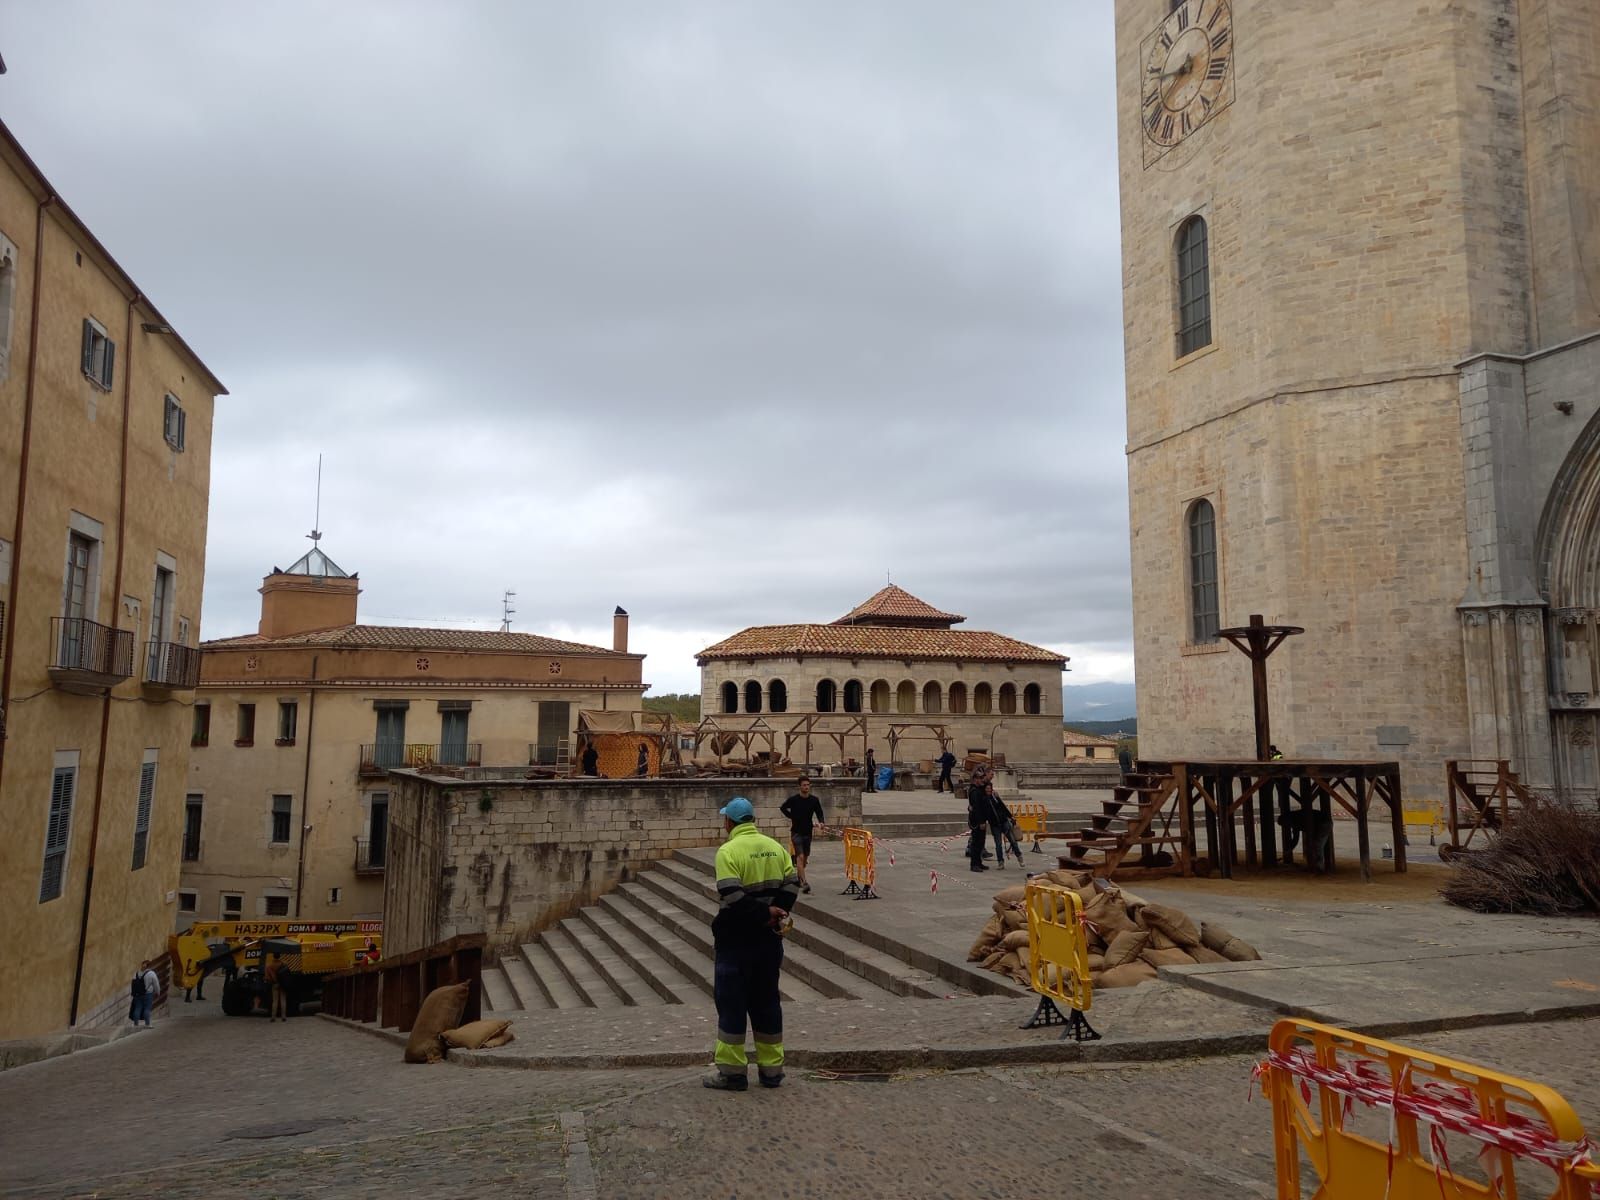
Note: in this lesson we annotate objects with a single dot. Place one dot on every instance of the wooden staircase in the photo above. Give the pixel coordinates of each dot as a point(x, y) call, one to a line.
point(1142, 815)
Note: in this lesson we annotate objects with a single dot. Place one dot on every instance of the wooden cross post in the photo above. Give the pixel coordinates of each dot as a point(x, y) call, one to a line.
point(1258, 640)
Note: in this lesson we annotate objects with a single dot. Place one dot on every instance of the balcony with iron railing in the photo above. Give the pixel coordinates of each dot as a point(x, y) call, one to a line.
point(87, 657)
point(388, 756)
point(171, 667)
point(370, 856)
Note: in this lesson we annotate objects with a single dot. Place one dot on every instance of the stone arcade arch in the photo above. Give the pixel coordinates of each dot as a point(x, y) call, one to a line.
point(777, 696)
point(880, 696)
point(730, 697)
point(1031, 696)
point(752, 697)
point(905, 697)
point(1008, 698)
point(931, 700)
point(982, 699)
point(827, 696)
point(958, 698)
point(852, 696)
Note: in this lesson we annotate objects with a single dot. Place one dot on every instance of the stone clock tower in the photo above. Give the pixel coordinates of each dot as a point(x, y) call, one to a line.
point(1361, 296)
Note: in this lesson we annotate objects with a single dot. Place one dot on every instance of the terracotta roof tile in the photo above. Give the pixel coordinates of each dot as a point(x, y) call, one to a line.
point(875, 641)
point(397, 637)
point(896, 604)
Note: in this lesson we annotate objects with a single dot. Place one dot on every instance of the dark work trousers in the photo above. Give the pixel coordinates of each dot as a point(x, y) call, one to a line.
point(944, 781)
point(745, 986)
point(976, 837)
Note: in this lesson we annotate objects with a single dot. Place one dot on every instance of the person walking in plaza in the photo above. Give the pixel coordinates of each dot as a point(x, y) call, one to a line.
point(872, 771)
point(756, 891)
point(977, 822)
point(142, 993)
point(273, 973)
point(947, 763)
point(1004, 823)
point(802, 809)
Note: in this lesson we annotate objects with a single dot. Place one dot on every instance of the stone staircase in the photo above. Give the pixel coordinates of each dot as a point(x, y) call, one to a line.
point(1141, 816)
point(649, 943)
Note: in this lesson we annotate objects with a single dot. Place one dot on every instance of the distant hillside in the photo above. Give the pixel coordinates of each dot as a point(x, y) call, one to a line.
point(1097, 702)
point(1128, 727)
point(685, 709)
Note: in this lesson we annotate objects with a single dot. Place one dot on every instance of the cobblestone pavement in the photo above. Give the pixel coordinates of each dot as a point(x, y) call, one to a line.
point(205, 1106)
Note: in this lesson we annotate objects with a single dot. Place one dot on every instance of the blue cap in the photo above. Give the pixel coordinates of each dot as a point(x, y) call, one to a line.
point(739, 810)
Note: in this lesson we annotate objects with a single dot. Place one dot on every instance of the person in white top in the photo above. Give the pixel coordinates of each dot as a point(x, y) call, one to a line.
point(145, 987)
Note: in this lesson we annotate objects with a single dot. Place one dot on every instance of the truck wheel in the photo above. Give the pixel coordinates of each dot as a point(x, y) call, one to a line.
point(236, 999)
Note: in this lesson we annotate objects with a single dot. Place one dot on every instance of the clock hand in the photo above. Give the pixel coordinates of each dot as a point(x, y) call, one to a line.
point(1182, 70)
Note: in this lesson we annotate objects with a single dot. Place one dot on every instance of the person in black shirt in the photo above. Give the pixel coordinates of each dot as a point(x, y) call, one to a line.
point(872, 771)
point(591, 760)
point(802, 808)
point(978, 817)
point(947, 762)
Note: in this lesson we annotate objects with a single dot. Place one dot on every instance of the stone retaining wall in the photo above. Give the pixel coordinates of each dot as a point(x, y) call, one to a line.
point(510, 856)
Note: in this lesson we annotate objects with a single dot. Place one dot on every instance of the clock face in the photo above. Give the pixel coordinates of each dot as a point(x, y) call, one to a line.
point(1186, 68)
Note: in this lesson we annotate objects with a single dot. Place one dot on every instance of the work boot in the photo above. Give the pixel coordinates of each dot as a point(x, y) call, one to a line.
point(978, 866)
point(772, 1081)
point(719, 1082)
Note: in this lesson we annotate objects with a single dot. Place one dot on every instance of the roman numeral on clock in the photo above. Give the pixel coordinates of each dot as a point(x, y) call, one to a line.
point(1185, 123)
point(1153, 121)
point(1166, 127)
point(1215, 17)
point(1219, 40)
point(1218, 68)
point(1183, 18)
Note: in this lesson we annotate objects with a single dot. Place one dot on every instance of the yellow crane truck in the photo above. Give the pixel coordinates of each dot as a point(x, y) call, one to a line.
point(307, 952)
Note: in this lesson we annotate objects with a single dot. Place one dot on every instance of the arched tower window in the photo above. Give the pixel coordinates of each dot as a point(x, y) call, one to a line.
point(958, 698)
point(880, 696)
point(1031, 697)
point(827, 696)
point(931, 699)
point(730, 697)
point(777, 696)
point(752, 697)
point(982, 699)
point(1203, 571)
point(1194, 287)
point(905, 697)
point(852, 696)
point(1008, 698)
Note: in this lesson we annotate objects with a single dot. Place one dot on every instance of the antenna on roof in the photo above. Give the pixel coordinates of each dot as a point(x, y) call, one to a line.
point(316, 534)
point(507, 611)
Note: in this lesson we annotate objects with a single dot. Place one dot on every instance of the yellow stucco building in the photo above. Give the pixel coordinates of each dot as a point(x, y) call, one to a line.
point(296, 726)
point(105, 460)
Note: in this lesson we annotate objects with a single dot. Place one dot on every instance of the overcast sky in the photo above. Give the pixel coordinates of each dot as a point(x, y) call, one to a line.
point(717, 311)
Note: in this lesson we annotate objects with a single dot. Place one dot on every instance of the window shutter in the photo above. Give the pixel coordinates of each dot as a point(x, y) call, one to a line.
point(183, 425)
point(111, 356)
point(88, 347)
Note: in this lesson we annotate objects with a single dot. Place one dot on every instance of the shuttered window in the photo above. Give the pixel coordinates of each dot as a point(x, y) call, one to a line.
point(99, 353)
point(141, 820)
point(62, 789)
point(174, 423)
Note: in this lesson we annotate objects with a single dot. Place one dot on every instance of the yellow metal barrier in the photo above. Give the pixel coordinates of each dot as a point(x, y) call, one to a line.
point(1323, 1081)
point(1031, 820)
point(1431, 815)
point(860, 864)
point(1058, 960)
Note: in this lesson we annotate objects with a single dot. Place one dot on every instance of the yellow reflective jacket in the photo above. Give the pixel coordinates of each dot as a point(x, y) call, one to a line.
point(754, 874)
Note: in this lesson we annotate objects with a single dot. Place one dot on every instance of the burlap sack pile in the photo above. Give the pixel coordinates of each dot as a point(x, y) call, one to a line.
point(1128, 936)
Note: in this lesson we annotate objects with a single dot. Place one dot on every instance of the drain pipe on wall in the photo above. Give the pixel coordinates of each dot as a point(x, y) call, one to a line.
point(105, 711)
point(22, 474)
point(305, 790)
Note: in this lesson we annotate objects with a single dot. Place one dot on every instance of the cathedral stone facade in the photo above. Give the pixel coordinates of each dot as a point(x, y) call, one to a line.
point(894, 661)
point(1361, 282)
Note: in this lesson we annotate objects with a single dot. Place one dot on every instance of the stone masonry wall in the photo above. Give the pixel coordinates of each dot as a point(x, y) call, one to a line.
point(541, 850)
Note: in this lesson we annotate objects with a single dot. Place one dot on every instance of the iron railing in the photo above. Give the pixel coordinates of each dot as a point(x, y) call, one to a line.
point(370, 856)
point(90, 651)
point(169, 665)
point(385, 756)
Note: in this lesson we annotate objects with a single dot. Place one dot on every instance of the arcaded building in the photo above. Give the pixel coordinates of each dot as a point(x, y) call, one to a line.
point(1361, 298)
point(105, 480)
point(893, 660)
point(296, 727)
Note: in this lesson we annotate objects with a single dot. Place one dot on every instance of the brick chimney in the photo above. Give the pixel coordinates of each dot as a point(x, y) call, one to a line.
point(619, 631)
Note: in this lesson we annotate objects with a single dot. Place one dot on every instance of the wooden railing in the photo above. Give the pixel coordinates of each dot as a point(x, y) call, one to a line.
point(1484, 795)
point(390, 992)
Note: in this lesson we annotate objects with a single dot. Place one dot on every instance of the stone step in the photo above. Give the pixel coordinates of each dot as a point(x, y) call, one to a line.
point(669, 984)
point(625, 983)
point(689, 918)
point(685, 958)
point(498, 994)
point(874, 967)
point(552, 981)
point(960, 976)
point(579, 972)
point(519, 975)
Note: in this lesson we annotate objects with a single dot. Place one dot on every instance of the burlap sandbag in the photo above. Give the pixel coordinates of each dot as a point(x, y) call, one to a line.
point(1011, 895)
point(1097, 962)
point(1075, 880)
point(1204, 955)
point(992, 962)
point(1167, 958)
point(986, 941)
point(1171, 921)
point(1017, 939)
point(1160, 941)
point(1126, 947)
point(1107, 915)
point(440, 1011)
point(1127, 975)
point(475, 1034)
point(499, 1039)
point(1013, 919)
point(1009, 962)
point(1215, 937)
